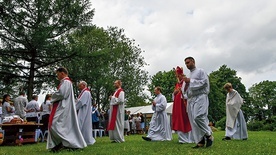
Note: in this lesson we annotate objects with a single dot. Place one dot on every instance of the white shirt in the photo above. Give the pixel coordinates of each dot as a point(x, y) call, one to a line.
point(45, 107)
point(32, 105)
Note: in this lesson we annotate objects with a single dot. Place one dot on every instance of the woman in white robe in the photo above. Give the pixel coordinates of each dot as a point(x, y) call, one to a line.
point(235, 123)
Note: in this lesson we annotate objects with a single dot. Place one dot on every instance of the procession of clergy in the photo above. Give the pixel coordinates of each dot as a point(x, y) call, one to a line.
point(70, 122)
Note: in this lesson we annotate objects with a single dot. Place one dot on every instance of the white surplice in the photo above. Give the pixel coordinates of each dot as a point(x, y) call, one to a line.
point(84, 116)
point(235, 123)
point(198, 104)
point(65, 127)
point(159, 129)
point(117, 134)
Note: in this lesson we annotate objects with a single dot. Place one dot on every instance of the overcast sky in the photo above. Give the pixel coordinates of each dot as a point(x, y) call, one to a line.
point(238, 33)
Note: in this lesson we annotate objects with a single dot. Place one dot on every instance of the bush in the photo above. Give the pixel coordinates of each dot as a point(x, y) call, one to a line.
point(271, 120)
point(270, 124)
point(268, 127)
point(221, 123)
point(255, 125)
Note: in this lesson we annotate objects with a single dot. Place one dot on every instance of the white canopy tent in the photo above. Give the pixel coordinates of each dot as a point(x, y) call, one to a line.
point(147, 112)
point(147, 109)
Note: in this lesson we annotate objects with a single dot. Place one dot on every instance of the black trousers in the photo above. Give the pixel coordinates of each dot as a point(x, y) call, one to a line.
point(95, 125)
point(45, 121)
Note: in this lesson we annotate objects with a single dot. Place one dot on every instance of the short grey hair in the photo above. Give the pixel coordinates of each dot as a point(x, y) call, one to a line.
point(84, 83)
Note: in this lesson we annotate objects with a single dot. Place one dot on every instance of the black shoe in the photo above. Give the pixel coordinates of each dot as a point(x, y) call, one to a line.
point(198, 146)
point(71, 149)
point(226, 138)
point(244, 139)
point(57, 148)
point(210, 140)
point(146, 138)
point(202, 142)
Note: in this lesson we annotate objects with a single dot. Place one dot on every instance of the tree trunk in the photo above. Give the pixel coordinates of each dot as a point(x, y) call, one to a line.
point(273, 111)
point(31, 76)
point(97, 101)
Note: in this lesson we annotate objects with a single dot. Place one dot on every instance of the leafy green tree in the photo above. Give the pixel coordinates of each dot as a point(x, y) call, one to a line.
point(263, 97)
point(166, 80)
point(30, 31)
point(217, 94)
point(216, 109)
point(105, 56)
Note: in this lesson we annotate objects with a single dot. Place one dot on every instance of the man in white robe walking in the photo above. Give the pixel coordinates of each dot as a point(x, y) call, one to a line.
point(235, 122)
point(64, 131)
point(198, 104)
point(116, 114)
point(159, 129)
point(83, 107)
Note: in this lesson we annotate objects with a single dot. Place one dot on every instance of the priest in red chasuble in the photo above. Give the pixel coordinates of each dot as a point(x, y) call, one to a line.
point(180, 119)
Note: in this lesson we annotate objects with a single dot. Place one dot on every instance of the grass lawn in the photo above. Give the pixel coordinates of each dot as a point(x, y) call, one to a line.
point(259, 143)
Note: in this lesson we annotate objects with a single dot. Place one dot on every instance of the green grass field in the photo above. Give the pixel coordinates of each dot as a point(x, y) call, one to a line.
point(259, 143)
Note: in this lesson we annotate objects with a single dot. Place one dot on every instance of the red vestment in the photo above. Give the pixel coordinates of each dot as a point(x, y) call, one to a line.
point(55, 105)
point(112, 122)
point(180, 119)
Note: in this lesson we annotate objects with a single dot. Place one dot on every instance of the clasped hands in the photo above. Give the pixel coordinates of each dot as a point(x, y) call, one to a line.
point(153, 103)
point(176, 91)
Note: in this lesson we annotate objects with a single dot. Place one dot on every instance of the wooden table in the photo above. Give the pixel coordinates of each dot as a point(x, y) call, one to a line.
point(17, 134)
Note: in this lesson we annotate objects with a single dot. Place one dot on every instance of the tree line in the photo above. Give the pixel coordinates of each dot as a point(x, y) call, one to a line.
point(259, 101)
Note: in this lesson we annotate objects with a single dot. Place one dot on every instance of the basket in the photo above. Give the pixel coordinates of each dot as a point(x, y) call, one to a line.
point(16, 121)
